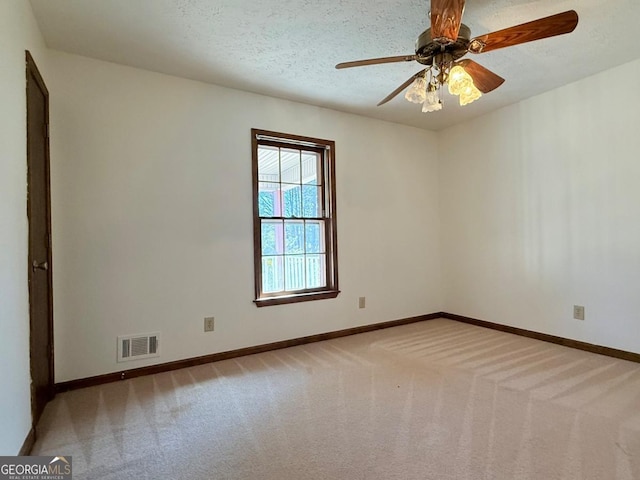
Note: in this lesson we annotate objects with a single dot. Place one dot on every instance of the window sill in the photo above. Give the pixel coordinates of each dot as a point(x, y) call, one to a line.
point(296, 298)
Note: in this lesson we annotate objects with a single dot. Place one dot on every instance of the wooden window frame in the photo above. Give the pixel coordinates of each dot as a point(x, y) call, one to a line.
point(327, 149)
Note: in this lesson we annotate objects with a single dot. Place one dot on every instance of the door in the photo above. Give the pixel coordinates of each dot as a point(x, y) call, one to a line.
point(39, 214)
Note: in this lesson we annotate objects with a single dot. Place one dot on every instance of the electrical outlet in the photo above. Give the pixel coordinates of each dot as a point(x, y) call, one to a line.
point(361, 302)
point(578, 312)
point(209, 324)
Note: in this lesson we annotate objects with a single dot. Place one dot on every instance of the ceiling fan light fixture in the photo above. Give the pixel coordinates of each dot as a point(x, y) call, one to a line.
point(428, 107)
point(459, 80)
point(418, 91)
point(432, 102)
point(470, 94)
point(461, 83)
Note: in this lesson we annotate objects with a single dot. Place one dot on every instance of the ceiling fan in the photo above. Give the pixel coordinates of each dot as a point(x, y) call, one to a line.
point(441, 48)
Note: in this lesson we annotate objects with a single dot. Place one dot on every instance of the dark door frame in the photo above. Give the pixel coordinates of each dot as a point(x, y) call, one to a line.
point(33, 75)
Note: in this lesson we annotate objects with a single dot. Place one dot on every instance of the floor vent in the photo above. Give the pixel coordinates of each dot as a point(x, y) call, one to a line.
point(136, 347)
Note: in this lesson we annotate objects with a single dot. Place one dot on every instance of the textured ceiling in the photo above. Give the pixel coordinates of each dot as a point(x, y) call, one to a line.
point(288, 48)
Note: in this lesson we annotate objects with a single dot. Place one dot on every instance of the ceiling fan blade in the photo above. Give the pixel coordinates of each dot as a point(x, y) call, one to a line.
point(446, 16)
point(559, 24)
point(401, 88)
point(376, 61)
point(484, 79)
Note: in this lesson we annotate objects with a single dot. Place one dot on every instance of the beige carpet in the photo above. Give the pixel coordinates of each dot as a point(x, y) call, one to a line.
point(435, 400)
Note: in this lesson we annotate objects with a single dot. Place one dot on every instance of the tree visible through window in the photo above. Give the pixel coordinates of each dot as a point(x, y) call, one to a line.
point(294, 218)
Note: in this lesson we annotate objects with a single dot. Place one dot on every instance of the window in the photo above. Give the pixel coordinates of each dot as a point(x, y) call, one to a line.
point(294, 218)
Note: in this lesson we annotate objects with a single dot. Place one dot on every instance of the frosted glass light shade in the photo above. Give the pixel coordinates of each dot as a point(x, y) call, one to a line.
point(458, 80)
point(418, 91)
point(470, 94)
point(460, 83)
point(431, 107)
point(432, 102)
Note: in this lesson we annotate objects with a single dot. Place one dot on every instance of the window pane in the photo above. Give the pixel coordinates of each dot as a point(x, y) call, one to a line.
point(314, 237)
point(272, 274)
point(316, 271)
point(310, 168)
point(292, 201)
point(294, 275)
point(269, 200)
point(293, 237)
point(290, 165)
point(311, 201)
point(268, 163)
point(272, 237)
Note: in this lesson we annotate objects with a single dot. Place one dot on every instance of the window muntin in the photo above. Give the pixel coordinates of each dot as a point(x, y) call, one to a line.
point(294, 218)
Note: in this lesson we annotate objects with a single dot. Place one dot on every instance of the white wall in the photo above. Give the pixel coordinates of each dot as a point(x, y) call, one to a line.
point(18, 32)
point(541, 210)
point(152, 216)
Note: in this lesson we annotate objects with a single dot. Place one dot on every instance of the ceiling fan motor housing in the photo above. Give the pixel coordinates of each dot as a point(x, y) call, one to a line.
point(426, 47)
